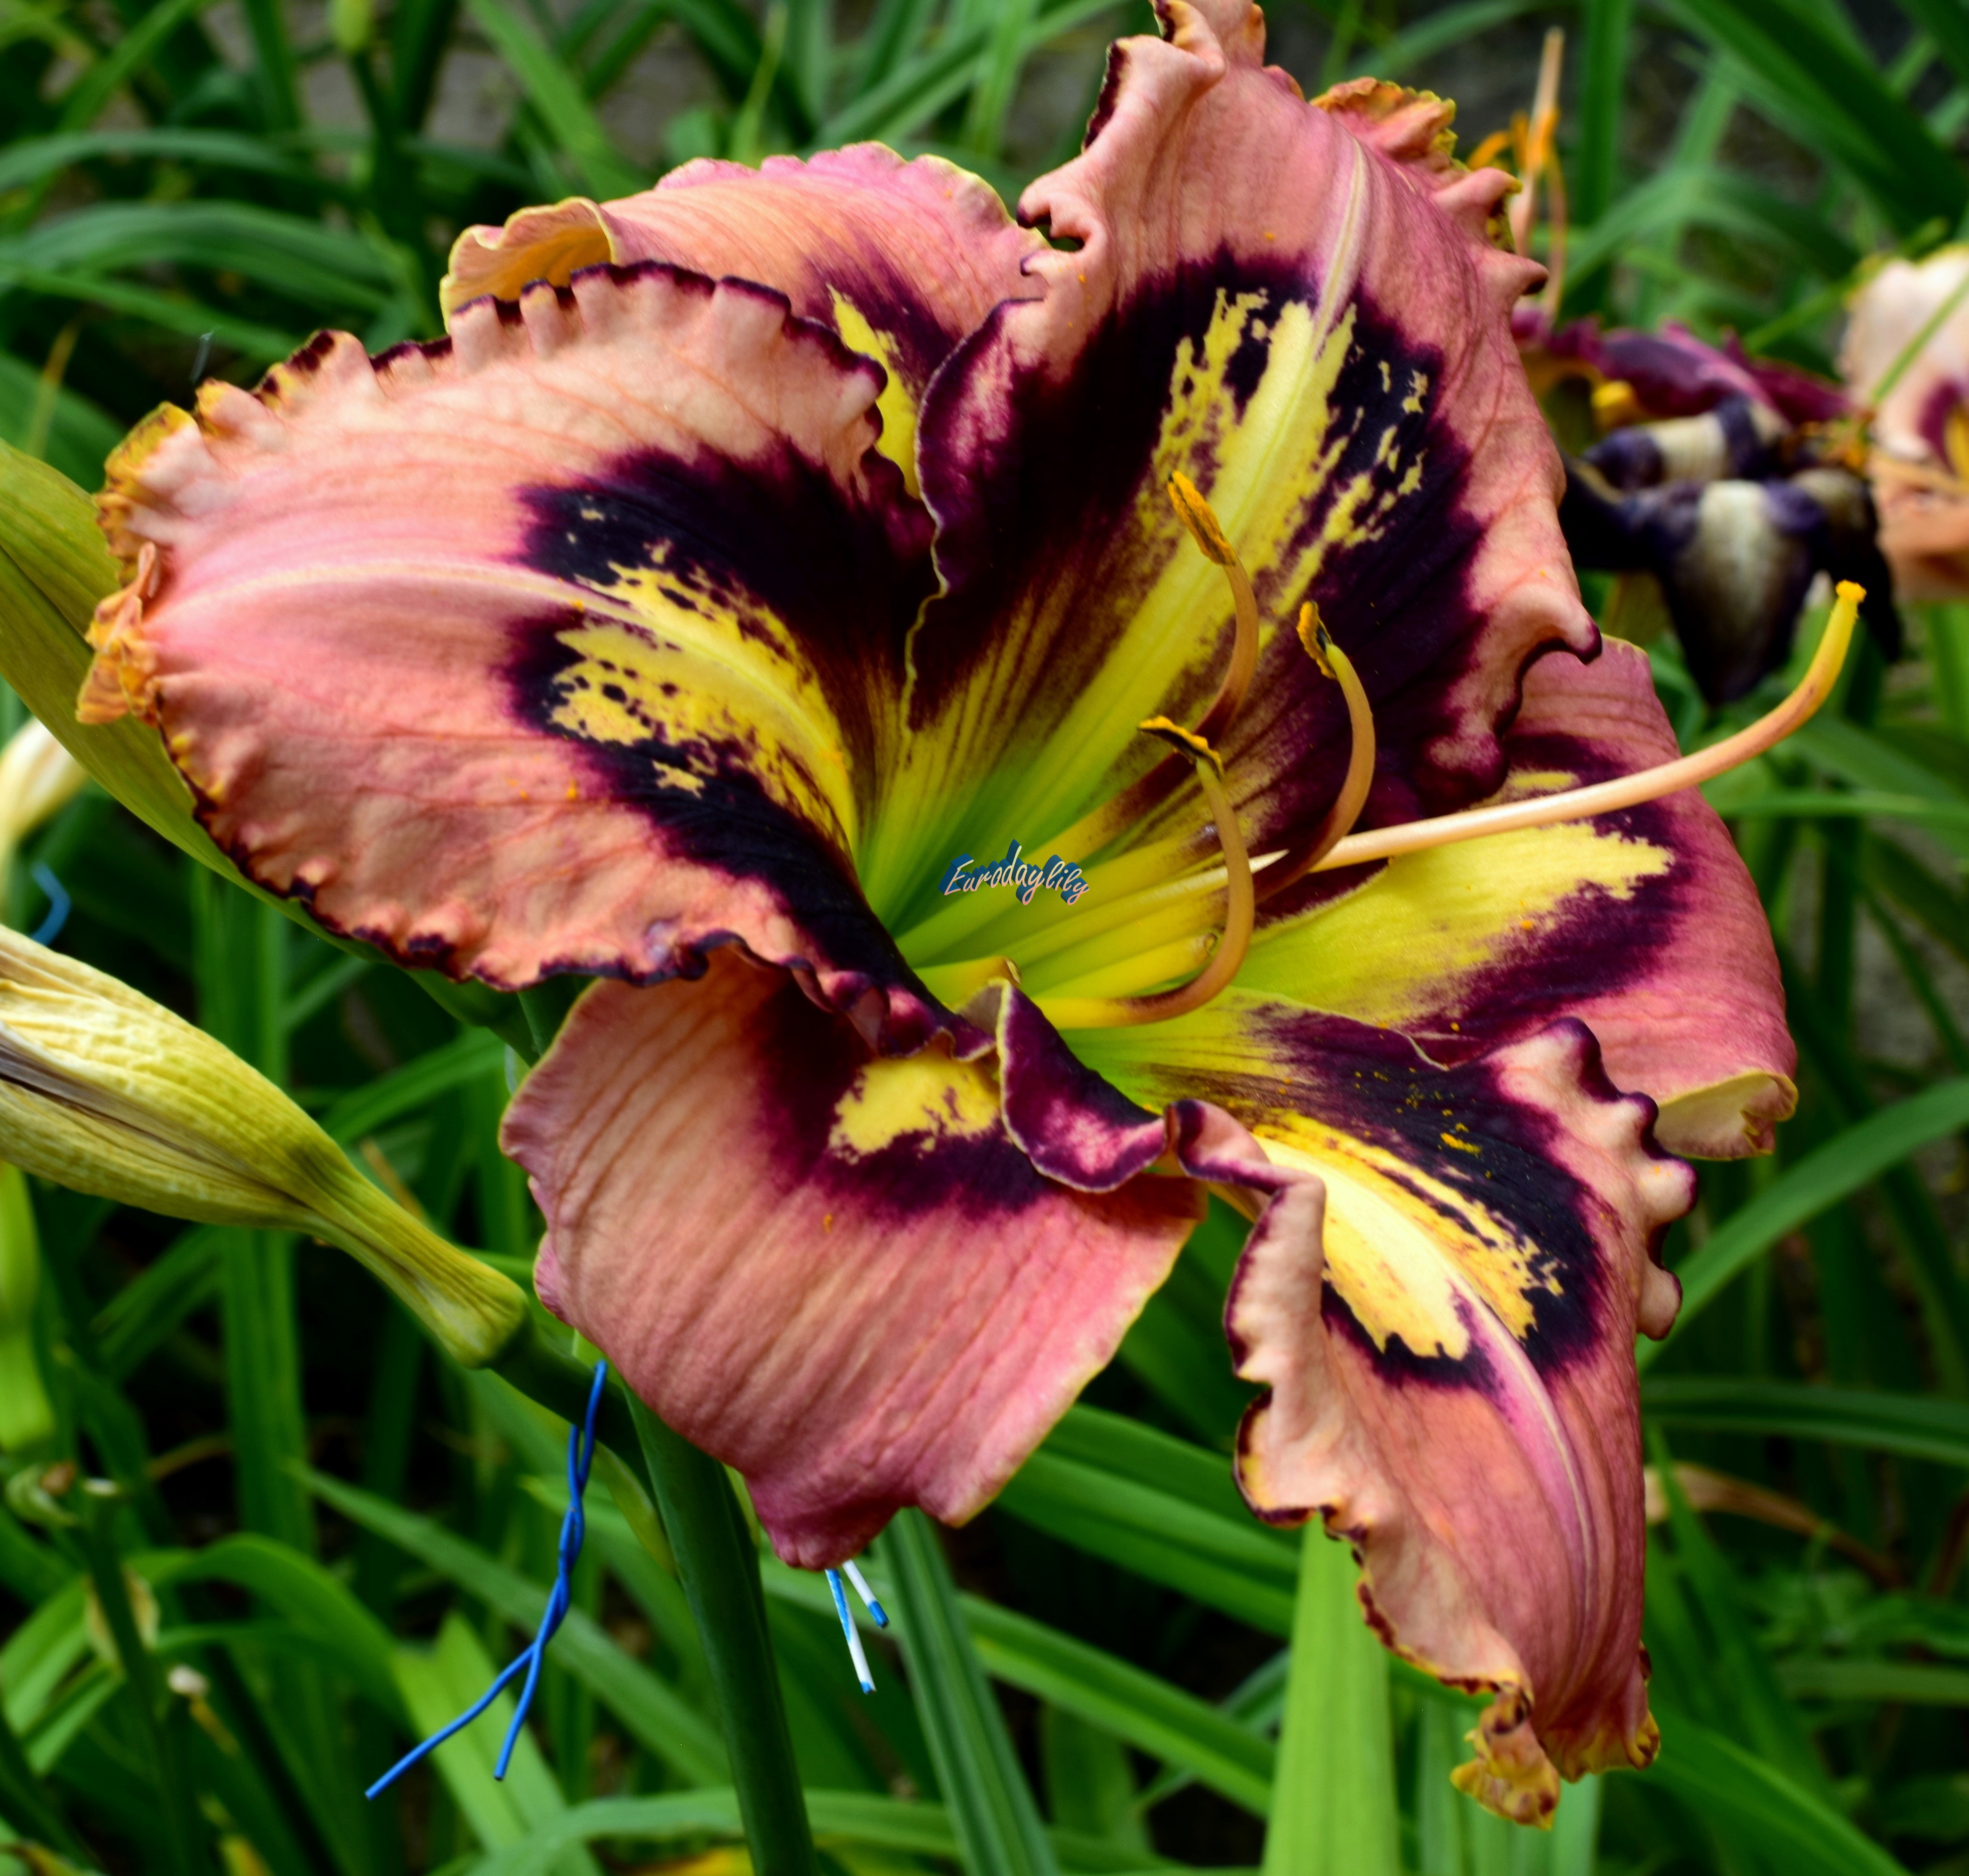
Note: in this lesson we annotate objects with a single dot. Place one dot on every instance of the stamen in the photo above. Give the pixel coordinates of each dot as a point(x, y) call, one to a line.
point(1626, 791)
point(855, 1652)
point(1297, 861)
point(1239, 916)
point(1195, 514)
point(1537, 146)
point(1114, 818)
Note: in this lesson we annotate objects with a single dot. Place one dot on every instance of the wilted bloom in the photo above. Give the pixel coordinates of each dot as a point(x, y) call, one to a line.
point(1722, 477)
point(102, 1090)
point(755, 548)
point(1916, 389)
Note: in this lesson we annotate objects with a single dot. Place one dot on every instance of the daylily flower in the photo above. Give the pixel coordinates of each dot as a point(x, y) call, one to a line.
point(1719, 476)
point(754, 549)
point(1638, 377)
point(1917, 391)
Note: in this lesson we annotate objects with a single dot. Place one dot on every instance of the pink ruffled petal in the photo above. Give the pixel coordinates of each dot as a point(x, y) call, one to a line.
point(1445, 1341)
point(1678, 979)
point(571, 643)
point(1921, 427)
point(1910, 421)
point(920, 251)
point(1295, 307)
point(838, 1272)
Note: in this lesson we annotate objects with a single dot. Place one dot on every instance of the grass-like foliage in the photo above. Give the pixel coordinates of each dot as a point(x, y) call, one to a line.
point(276, 1537)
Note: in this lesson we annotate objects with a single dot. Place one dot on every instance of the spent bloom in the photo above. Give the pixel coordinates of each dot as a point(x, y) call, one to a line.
point(753, 549)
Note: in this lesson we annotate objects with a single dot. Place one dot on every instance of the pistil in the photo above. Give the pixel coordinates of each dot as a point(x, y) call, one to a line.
point(1239, 917)
point(1625, 791)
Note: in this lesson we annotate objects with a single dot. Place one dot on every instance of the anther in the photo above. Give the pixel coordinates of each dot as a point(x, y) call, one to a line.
point(1626, 791)
point(1240, 913)
point(1114, 818)
point(1339, 820)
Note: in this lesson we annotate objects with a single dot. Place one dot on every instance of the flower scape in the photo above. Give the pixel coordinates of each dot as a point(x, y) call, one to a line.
point(752, 546)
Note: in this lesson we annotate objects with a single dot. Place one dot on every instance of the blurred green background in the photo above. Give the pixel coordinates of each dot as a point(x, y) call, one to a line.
point(329, 1535)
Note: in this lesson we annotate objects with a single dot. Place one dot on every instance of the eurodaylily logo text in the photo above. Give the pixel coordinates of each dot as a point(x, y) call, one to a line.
point(1063, 876)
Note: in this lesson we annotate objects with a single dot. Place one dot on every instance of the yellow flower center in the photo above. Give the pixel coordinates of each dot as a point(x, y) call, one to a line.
point(1164, 926)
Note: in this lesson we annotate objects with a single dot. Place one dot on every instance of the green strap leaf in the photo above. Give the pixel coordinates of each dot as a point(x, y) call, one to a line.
point(1159, 1507)
point(557, 95)
point(404, 1090)
point(917, 1829)
point(1753, 1803)
point(1215, 1748)
point(440, 1683)
point(991, 1807)
point(1133, 1705)
point(1917, 1427)
point(1333, 1810)
point(1858, 1156)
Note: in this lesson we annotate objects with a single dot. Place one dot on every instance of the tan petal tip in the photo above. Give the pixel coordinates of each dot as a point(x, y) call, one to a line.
point(121, 681)
point(552, 244)
point(1730, 1119)
point(1510, 1774)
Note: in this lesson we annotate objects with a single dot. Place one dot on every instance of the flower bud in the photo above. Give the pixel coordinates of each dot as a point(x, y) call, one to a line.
point(106, 1091)
point(26, 1418)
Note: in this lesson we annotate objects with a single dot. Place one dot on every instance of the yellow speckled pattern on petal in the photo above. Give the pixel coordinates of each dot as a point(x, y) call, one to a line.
point(1314, 331)
point(1446, 1358)
point(1645, 926)
point(571, 643)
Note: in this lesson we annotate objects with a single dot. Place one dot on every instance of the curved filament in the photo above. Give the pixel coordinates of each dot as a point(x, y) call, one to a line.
point(1240, 912)
point(1625, 791)
point(1297, 861)
point(1115, 816)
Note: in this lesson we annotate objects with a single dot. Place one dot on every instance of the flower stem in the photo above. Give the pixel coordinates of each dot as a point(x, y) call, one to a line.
point(720, 1570)
point(184, 1845)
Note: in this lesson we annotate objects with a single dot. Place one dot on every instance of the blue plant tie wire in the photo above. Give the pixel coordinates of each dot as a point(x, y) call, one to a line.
point(855, 1651)
point(573, 1528)
point(59, 905)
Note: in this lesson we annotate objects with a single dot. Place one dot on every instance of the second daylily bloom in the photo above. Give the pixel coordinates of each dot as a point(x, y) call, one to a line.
point(1905, 358)
point(755, 550)
point(1722, 477)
